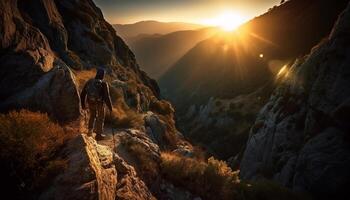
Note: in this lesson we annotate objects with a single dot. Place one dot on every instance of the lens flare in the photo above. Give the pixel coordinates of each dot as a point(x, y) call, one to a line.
point(227, 21)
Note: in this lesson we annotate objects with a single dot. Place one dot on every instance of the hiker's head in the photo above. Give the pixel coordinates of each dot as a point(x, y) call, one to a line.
point(100, 74)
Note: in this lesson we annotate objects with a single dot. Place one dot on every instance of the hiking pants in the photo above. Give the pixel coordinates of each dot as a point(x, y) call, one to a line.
point(97, 117)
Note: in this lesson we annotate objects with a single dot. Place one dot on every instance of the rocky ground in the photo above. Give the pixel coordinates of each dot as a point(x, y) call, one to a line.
point(107, 169)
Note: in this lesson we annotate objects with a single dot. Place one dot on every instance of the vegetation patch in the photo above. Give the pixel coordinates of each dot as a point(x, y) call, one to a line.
point(161, 107)
point(29, 143)
point(213, 179)
point(124, 119)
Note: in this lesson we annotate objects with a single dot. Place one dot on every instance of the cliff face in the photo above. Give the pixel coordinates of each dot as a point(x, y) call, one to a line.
point(300, 137)
point(42, 41)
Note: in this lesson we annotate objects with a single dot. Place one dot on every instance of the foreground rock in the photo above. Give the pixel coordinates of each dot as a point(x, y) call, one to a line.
point(95, 172)
point(301, 135)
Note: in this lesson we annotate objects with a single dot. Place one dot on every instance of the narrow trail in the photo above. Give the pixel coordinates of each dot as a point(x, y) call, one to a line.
point(116, 144)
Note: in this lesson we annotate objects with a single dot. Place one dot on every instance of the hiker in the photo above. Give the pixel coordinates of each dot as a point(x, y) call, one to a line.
point(96, 92)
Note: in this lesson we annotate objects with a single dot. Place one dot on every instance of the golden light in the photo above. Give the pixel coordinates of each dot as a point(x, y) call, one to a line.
point(261, 55)
point(227, 21)
point(282, 70)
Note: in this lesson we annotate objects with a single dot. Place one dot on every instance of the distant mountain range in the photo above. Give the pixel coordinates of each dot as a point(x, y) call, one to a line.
point(156, 53)
point(152, 27)
point(223, 64)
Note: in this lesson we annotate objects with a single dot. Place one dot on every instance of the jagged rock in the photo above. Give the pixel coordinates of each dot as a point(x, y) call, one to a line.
point(96, 172)
point(25, 52)
point(90, 174)
point(142, 139)
point(156, 128)
point(54, 93)
point(304, 141)
point(129, 186)
point(222, 125)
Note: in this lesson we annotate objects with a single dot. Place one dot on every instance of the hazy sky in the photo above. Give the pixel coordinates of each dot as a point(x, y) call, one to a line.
point(196, 11)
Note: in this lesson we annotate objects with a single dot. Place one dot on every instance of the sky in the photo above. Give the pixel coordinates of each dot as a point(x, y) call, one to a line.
point(191, 11)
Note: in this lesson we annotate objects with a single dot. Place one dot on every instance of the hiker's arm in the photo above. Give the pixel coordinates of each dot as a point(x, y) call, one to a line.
point(83, 97)
point(107, 96)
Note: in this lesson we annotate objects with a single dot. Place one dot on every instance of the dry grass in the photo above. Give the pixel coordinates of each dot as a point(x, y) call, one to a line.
point(213, 179)
point(84, 75)
point(161, 107)
point(29, 143)
point(124, 119)
point(207, 179)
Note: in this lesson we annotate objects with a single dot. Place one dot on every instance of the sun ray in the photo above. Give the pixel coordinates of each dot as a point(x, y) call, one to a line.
point(228, 21)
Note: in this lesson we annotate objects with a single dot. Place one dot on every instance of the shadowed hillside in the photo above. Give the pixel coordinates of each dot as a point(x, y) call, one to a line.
point(152, 27)
point(156, 53)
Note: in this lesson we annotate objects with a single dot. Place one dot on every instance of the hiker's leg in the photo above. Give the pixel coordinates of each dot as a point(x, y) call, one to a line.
point(100, 118)
point(92, 118)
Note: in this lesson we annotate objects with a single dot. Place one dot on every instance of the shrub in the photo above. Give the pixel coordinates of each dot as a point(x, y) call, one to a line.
point(124, 119)
point(29, 142)
point(84, 75)
point(207, 179)
point(215, 180)
point(161, 107)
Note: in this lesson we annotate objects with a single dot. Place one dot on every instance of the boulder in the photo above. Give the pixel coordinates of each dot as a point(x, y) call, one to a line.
point(90, 174)
point(55, 93)
point(96, 172)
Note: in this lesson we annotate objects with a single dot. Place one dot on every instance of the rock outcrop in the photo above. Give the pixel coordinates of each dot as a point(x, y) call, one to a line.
point(223, 124)
point(96, 172)
point(55, 93)
point(300, 138)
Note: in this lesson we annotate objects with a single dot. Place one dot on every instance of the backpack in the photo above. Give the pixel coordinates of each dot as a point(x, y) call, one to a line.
point(94, 90)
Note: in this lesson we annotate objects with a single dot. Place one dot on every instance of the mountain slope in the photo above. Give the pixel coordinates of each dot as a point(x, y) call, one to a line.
point(33, 47)
point(152, 27)
point(49, 49)
point(302, 140)
point(242, 63)
point(157, 53)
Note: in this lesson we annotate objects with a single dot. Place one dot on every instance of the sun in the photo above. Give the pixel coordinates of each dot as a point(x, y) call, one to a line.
point(227, 21)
